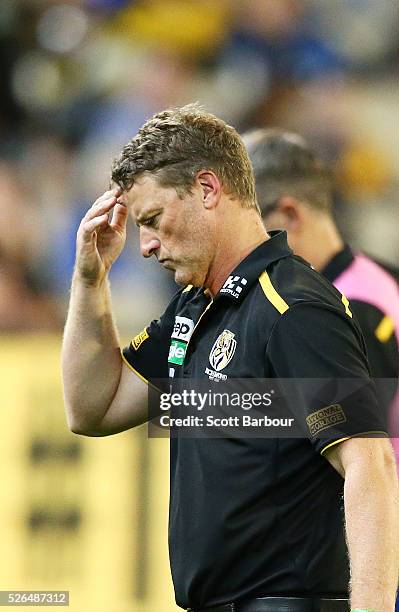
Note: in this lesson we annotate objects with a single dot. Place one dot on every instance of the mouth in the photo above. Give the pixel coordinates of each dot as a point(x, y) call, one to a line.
point(166, 263)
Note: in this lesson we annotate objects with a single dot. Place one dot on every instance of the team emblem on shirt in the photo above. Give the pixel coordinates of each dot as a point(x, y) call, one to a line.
point(223, 350)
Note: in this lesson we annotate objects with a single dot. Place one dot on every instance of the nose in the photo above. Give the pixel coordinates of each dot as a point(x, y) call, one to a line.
point(149, 243)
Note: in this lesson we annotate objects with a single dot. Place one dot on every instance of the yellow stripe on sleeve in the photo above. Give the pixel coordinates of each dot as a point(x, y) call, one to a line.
point(345, 302)
point(333, 444)
point(384, 329)
point(358, 435)
point(271, 294)
point(186, 289)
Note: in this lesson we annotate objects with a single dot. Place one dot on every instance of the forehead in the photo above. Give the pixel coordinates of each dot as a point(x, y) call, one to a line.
point(147, 195)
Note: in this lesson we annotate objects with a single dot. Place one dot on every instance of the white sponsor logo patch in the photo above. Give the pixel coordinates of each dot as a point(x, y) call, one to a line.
point(182, 329)
point(223, 350)
point(234, 285)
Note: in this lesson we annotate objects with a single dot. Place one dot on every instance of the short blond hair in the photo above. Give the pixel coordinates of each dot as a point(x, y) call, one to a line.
point(177, 143)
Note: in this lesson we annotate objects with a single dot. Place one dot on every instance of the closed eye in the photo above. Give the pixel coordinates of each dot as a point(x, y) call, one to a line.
point(150, 222)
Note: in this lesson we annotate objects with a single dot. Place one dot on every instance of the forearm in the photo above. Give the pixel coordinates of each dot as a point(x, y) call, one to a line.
point(372, 528)
point(91, 361)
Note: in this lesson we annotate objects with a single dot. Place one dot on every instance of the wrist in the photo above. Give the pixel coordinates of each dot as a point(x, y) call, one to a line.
point(89, 282)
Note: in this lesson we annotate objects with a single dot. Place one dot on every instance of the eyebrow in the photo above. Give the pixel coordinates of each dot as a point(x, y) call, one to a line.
point(147, 216)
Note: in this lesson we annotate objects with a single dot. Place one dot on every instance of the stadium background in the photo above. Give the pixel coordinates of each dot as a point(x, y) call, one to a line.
point(78, 79)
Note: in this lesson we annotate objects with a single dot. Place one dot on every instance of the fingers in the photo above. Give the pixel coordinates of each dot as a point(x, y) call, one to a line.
point(115, 191)
point(104, 200)
point(101, 206)
point(94, 224)
point(98, 215)
point(120, 215)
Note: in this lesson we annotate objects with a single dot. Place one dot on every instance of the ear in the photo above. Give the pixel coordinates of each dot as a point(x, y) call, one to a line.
point(210, 187)
point(292, 211)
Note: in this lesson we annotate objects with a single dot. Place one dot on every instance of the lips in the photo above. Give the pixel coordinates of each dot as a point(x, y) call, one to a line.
point(166, 263)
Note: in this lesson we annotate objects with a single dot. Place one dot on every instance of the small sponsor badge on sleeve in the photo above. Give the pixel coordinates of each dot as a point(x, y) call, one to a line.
point(325, 418)
point(139, 339)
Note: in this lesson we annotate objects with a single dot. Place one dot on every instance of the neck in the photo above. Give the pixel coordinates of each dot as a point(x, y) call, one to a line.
point(236, 242)
point(323, 241)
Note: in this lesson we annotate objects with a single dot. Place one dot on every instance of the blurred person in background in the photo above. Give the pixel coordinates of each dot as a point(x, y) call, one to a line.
point(294, 190)
point(25, 300)
point(235, 504)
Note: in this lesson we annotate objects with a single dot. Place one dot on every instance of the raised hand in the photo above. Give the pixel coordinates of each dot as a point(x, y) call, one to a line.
point(101, 237)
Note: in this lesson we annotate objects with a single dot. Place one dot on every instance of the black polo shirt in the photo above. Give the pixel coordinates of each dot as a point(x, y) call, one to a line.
point(256, 517)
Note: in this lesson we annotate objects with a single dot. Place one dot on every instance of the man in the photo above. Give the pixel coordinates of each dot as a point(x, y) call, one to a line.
point(294, 191)
point(255, 523)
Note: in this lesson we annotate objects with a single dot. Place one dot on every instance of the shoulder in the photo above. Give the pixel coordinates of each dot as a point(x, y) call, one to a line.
point(389, 268)
point(291, 282)
point(293, 305)
point(367, 281)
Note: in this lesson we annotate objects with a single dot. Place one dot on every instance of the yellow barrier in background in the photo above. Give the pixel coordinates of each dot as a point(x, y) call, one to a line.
point(88, 515)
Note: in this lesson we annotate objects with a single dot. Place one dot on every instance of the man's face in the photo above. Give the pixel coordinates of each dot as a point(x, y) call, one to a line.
point(178, 231)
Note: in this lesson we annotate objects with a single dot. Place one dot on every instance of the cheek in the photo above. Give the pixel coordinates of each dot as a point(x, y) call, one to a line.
point(204, 238)
point(193, 231)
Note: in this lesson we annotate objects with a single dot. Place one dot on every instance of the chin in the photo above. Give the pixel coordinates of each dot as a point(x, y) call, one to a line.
point(185, 277)
point(182, 278)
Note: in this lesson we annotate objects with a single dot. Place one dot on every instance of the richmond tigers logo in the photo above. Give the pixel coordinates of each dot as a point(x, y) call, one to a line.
point(223, 350)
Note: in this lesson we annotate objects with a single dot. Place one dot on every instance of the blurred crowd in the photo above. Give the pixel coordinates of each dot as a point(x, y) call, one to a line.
point(80, 77)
